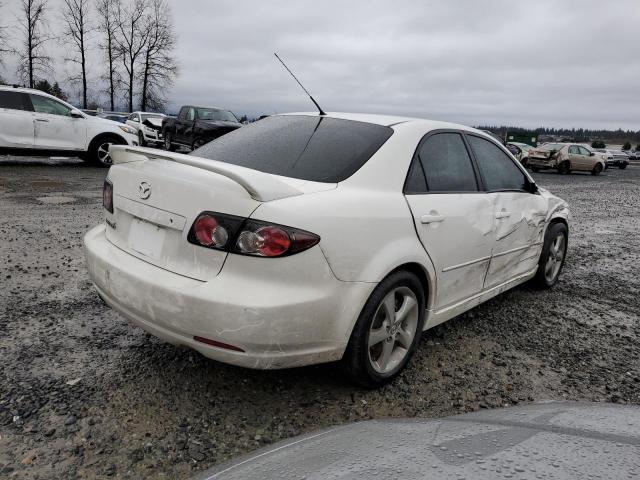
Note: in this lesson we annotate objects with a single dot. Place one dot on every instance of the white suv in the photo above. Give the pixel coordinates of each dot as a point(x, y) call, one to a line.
point(32, 121)
point(149, 127)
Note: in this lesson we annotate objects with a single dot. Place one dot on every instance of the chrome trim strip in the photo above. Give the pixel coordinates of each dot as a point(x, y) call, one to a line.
point(466, 264)
point(517, 249)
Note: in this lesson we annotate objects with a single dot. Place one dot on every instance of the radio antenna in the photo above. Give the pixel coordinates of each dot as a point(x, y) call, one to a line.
point(302, 86)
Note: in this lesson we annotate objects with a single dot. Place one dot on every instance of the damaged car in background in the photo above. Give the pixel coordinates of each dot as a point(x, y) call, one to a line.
point(565, 158)
point(307, 238)
point(148, 127)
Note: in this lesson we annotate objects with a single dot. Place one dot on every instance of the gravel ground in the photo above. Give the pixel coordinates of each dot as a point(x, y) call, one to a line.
point(84, 394)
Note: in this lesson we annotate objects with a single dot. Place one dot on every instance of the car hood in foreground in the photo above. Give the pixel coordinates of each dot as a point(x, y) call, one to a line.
point(550, 440)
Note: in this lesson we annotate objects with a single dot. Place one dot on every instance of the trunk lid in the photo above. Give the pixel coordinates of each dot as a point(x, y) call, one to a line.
point(158, 195)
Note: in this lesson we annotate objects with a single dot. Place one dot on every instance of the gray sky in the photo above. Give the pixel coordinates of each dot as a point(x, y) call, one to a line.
point(552, 63)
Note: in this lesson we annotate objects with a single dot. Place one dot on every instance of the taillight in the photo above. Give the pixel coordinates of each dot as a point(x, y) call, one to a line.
point(107, 196)
point(248, 237)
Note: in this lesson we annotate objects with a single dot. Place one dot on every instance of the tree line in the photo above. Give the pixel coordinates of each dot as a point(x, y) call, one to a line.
point(582, 135)
point(132, 41)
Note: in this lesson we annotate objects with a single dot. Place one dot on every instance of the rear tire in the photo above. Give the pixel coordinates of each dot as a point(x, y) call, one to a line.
point(554, 253)
point(98, 153)
point(564, 168)
point(623, 166)
point(387, 332)
point(167, 142)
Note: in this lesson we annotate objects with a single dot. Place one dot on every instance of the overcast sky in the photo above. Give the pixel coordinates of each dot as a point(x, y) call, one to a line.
point(526, 63)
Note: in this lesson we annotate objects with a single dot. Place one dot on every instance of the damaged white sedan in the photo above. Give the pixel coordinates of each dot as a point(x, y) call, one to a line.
point(303, 239)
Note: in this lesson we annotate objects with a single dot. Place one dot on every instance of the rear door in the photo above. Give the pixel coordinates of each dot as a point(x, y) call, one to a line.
point(453, 217)
point(16, 120)
point(519, 215)
point(55, 128)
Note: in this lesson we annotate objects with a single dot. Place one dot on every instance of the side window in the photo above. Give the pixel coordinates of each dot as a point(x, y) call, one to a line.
point(191, 114)
point(48, 105)
point(573, 149)
point(183, 113)
point(584, 151)
point(14, 101)
point(498, 170)
point(446, 164)
point(416, 182)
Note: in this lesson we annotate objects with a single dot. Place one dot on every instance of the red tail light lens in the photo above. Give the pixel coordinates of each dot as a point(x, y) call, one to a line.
point(249, 237)
point(107, 196)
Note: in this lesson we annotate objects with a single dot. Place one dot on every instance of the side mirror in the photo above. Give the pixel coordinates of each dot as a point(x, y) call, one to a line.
point(592, 154)
point(76, 114)
point(532, 187)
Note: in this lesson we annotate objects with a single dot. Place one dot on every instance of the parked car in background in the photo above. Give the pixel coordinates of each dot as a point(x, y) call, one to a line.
point(195, 126)
point(116, 117)
point(34, 122)
point(520, 151)
point(565, 158)
point(633, 154)
point(148, 127)
point(303, 239)
point(617, 158)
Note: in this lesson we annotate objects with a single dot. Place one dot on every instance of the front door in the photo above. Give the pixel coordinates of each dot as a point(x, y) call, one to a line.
point(55, 128)
point(16, 120)
point(519, 215)
point(453, 218)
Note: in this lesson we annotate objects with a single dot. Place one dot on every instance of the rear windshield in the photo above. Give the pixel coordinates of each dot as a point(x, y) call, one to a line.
point(319, 149)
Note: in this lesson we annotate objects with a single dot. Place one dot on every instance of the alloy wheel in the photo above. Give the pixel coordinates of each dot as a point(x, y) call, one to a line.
point(393, 330)
point(103, 153)
point(557, 252)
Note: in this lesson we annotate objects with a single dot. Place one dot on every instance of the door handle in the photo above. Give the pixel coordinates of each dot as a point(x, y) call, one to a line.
point(431, 218)
point(503, 214)
point(41, 120)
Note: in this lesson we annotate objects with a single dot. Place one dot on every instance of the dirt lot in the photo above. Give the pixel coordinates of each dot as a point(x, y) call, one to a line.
point(84, 394)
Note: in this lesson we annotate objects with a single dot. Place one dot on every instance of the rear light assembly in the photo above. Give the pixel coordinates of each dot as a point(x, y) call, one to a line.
point(246, 236)
point(107, 196)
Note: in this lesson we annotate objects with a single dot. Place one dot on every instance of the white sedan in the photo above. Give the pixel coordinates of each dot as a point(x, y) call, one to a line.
point(303, 239)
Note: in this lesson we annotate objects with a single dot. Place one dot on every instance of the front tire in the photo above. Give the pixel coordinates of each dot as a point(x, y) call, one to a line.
point(168, 145)
point(622, 166)
point(98, 153)
point(554, 252)
point(141, 141)
point(387, 332)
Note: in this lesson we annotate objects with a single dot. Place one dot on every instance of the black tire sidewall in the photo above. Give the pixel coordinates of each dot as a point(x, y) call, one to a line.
point(356, 358)
point(552, 232)
point(93, 150)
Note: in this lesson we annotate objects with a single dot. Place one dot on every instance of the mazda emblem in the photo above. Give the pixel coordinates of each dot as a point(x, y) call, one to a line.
point(144, 190)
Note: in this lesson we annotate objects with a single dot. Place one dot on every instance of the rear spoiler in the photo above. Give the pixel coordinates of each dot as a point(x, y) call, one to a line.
point(261, 186)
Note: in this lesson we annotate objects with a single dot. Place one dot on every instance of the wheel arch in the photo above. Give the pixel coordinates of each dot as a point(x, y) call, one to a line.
point(104, 135)
point(424, 275)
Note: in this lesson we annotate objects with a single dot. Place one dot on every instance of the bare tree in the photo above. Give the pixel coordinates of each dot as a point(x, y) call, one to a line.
point(158, 66)
point(4, 47)
point(108, 28)
point(131, 41)
point(76, 15)
point(33, 59)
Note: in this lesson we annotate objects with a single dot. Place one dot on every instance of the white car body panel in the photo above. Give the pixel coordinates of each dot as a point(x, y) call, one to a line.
point(301, 309)
point(45, 131)
point(150, 135)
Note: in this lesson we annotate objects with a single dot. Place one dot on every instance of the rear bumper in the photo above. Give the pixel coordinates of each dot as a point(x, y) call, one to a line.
point(541, 162)
point(282, 312)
